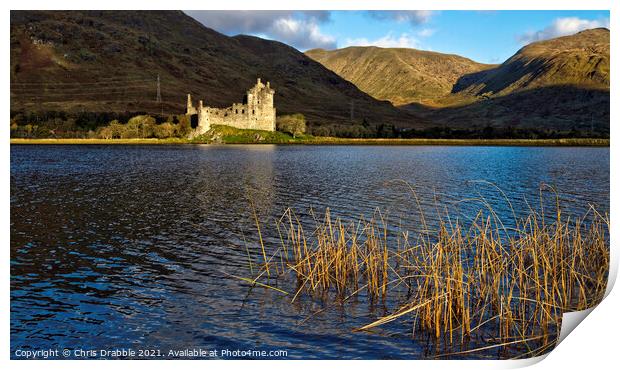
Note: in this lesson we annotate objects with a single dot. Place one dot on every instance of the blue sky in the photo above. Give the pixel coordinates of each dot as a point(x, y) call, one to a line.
point(484, 36)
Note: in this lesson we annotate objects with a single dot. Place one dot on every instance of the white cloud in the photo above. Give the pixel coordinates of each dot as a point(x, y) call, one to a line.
point(388, 41)
point(562, 27)
point(426, 32)
point(301, 33)
point(405, 40)
point(300, 29)
point(415, 17)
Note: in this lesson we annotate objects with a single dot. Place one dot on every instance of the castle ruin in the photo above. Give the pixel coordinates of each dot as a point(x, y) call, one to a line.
point(256, 112)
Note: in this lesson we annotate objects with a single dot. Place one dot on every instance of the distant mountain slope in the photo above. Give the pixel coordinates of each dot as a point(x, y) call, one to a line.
point(580, 60)
point(109, 61)
point(397, 74)
point(559, 85)
point(563, 109)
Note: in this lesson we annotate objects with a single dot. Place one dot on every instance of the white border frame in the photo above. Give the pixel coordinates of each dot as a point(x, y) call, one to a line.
point(593, 344)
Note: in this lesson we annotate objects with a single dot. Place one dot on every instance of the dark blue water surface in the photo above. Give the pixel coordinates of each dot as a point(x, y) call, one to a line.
point(131, 246)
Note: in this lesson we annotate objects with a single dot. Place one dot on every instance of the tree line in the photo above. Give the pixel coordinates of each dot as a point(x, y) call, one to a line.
point(125, 125)
point(92, 125)
point(389, 131)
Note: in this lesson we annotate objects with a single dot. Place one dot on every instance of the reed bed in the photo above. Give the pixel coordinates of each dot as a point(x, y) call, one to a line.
point(457, 283)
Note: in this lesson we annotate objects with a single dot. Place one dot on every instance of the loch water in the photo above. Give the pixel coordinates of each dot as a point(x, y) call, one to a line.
point(132, 246)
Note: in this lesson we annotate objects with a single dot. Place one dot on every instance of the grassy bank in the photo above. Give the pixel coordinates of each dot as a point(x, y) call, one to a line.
point(99, 141)
point(309, 140)
point(231, 135)
point(461, 142)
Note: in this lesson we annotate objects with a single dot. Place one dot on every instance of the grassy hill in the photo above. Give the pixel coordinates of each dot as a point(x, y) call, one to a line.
point(580, 60)
point(397, 74)
point(108, 61)
point(559, 85)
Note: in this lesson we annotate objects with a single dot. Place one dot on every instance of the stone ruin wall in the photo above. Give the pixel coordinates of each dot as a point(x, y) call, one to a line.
point(257, 114)
point(241, 116)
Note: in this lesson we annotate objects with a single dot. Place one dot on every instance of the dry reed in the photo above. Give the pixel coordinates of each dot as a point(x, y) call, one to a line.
point(459, 282)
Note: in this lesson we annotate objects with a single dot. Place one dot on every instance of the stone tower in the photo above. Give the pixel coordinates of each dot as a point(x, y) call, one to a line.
point(262, 114)
point(190, 108)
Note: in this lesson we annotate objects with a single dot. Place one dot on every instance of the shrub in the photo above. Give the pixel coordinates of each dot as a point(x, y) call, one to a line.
point(86, 55)
point(184, 127)
point(117, 130)
point(140, 127)
point(294, 124)
point(321, 131)
point(164, 131)
point(104, 132)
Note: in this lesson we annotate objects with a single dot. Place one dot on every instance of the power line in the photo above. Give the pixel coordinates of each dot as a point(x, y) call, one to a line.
point(158, 100)
point(70, 90)
point(60, 94)
point(121, 102)
point(35, 84)
point(99, 101)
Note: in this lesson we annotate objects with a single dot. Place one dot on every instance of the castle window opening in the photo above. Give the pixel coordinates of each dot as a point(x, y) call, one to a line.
point(242, 111)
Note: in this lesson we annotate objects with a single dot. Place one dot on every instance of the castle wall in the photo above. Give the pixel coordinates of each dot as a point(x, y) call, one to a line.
point(257, 114)
point(242, 116)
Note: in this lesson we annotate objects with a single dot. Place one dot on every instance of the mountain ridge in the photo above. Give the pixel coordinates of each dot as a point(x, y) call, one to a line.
point(578, 59)
point(400, 75)
point(570, 71)
point(111, 60)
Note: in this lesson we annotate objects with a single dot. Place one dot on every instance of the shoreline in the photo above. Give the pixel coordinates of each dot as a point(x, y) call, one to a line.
point(329, 141)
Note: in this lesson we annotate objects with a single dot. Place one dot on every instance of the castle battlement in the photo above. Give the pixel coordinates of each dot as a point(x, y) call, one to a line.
point(256, 113)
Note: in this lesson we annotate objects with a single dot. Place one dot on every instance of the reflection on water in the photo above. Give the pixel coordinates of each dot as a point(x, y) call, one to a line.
point(130, 246)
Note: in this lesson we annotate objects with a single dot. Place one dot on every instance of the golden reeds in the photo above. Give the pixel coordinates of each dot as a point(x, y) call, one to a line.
point(506, 287)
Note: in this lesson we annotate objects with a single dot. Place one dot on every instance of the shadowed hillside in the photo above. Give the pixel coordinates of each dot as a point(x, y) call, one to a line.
point(581, 60)
point(562, 109)
point(397, 74)
point(108, 61)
